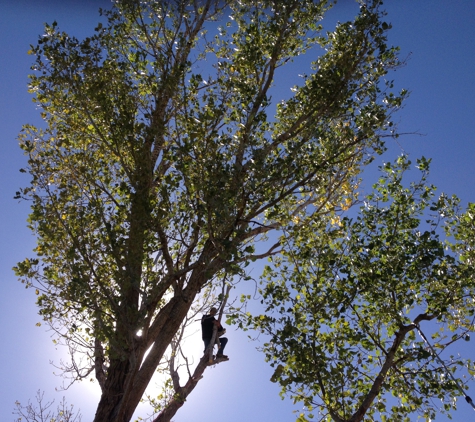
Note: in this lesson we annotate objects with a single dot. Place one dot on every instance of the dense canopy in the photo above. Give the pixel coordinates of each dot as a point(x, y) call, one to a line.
point(165, 157)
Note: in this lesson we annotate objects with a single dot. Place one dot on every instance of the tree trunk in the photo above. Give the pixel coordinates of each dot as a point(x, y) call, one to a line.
point(111, 398)
point(126, 383)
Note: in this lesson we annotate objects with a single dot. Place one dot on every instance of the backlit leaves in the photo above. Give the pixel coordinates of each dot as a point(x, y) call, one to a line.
point(165, 157)
point(345, 300)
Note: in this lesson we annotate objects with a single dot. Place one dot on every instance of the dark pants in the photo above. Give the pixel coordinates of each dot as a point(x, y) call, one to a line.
point(222, 340)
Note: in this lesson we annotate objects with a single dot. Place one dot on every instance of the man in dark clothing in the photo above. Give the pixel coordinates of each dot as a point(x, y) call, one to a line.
point(207, 324)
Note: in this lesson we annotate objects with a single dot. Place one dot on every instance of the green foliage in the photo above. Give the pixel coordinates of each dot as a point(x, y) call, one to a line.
point(344, 301)
point(156, 172)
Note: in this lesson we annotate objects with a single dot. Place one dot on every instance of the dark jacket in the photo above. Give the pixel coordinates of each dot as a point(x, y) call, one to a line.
point(207, 324)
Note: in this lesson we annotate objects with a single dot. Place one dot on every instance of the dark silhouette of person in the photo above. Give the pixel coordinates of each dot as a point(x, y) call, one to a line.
point(207, 324)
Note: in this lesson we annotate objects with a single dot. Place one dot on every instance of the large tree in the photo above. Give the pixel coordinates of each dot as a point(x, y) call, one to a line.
point(164, 159)
point(351, 303)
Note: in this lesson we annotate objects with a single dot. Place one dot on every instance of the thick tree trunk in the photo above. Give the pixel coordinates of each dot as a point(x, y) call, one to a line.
point(109, 404)
point(126, 383)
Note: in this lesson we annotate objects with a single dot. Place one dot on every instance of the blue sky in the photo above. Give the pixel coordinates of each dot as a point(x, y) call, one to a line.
point(438, 38)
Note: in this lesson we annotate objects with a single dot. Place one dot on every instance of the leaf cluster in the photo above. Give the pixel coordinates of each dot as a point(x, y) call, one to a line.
point(344, 303)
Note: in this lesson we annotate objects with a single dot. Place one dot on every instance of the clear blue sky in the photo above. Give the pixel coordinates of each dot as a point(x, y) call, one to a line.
point(439, 37)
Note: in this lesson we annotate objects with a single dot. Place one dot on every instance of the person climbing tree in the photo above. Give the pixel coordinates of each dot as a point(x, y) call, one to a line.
point(207, 324)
